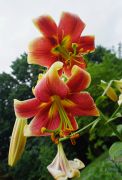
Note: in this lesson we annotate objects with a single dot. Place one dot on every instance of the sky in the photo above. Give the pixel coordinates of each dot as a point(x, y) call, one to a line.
point(103, 18)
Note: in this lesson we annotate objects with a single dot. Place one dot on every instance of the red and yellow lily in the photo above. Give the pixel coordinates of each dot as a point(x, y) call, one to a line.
point(57, 102)
point(60, 43)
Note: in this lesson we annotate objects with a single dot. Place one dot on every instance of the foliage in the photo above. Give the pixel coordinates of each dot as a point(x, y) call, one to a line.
point(102, 168)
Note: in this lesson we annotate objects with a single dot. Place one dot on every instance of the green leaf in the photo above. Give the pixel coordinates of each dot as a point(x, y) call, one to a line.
point(100, 100)
point(119, 129)
point(115, 152)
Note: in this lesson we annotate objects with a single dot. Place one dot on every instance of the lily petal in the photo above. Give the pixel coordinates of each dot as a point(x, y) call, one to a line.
point(42, 119)
point(18, 141)
point(120, 100)
point(71, 25)
point(27, 108)
point(46, 25)
point(76, 164)
point(51, 84)
point(86, 44)
point(83, 105)
point(79, 80)
point(79, 61)
point(73, 122)
point(39, 52)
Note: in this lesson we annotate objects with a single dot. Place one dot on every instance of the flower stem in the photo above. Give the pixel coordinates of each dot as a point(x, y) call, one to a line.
point(111, 125)
point(110, 83)
point(77, 132)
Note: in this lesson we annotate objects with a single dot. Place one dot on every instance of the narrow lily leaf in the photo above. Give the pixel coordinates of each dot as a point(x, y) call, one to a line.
point(115, 152)
point(100, 100)
point(18, 141)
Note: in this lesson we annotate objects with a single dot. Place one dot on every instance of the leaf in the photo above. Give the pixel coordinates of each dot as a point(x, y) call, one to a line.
point(119, 129)
point(115, 152)
point(100, 100)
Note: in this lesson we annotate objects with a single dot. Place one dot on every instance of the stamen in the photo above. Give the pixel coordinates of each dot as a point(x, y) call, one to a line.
point(63, 116)
point(74, 47)
point(54, 139)
point(62, 51)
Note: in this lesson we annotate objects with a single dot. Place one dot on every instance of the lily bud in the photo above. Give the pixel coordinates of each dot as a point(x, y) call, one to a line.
point(18, 141)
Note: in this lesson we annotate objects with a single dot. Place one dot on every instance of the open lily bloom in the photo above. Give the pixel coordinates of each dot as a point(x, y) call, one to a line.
point(18, 141)
point(62, 169)
point(57, 102)
point(60, 43)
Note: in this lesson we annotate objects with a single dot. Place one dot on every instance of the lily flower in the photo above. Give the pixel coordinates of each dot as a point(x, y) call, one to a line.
point(62, 169)
point(18, 141)
point(57, 102)
point(60, 43)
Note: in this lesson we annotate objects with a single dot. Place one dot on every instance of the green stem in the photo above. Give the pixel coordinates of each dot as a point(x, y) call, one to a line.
point(77, 132)
point(109, 85)
point(111, 126)
point(115, 112)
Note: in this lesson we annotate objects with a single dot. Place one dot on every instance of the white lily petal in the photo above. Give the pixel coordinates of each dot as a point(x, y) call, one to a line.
point(120, 100)
point(62, 169)
point(77, 164)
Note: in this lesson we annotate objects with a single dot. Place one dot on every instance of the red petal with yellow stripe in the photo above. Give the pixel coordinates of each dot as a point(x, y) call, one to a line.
point(39, 52)
point(46, 25)
point(82, 105)
point(71, 25)
point(51, 84)
point(27, 108)
point(79, 80)
point(86, 44)
point(42, 120)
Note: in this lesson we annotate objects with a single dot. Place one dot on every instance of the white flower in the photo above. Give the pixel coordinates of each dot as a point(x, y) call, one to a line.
point(62, 169)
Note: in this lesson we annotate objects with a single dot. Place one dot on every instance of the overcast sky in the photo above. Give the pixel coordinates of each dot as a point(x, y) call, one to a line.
point(103, 19)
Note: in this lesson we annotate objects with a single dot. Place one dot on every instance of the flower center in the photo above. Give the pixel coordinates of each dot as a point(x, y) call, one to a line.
point(66, 49)
point(65, 124)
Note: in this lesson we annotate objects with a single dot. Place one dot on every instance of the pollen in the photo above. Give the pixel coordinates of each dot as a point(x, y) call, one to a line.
point(43, 130)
